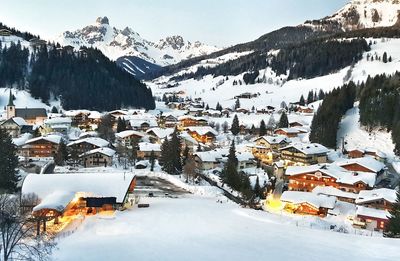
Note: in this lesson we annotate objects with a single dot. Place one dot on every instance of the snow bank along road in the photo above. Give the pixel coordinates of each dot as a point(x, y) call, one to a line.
point(198, 228)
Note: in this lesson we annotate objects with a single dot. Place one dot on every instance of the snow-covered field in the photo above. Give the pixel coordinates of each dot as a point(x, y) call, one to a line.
point(199, 228)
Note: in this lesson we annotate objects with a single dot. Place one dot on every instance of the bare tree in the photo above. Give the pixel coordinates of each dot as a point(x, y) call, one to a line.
point(18, 234)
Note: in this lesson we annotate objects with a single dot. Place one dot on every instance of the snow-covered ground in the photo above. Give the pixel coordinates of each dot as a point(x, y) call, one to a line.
point(357, 137)
point(200, 228)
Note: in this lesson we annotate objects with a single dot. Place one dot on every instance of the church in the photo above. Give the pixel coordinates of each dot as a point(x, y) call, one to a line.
point(32, 116)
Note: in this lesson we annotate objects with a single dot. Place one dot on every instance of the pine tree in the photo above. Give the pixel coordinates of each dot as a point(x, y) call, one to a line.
point(230, 174)
point(263, 128)
point(185, 155)
point(283, 121)
point(54, 109)
point(271, 125)
point(310, 97)
point(171, 154)
point(105, 128)
point(302, 102)
point(152, 160)
point(121, 125)
point(9, 176)
point(392, 229)
point(237, 104)
point(218, 107)
point(257, 188)
point(385, 57)
point(235, 128)
point(61, 155)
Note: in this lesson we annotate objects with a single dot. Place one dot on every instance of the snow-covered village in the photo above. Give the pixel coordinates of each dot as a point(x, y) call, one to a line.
point(116, 146)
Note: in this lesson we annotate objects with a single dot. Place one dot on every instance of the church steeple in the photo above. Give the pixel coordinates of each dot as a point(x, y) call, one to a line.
point(10, 100)
point(10, 107)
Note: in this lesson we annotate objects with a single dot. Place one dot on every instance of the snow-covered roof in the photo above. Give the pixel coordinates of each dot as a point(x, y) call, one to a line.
point(58, 121)
point(50, 138)
point(331, 191)
point(274, 139)
point(318, 201)
point(19, 121)
point(57, 200)
point(210, 156)
point(127, 133)
point(297, 170)
point(137, 123)
point(98, 142)
point(95, 115)
point(367, 162)
point(161, 133)
point(104, 150)
point(202, 130)
point(184, 117)
point(372, 212)
point(87, 185)
point(289, 130)
point(366, 196)
point(244, 156)
point(21, 140)
point(308, 148)
point(146, 146)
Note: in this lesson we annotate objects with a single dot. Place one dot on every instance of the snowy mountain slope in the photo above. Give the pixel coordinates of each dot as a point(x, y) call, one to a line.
point(277, 89)
point(115, 43)
point(360, 14)
point(357, 137)
point(137, 66)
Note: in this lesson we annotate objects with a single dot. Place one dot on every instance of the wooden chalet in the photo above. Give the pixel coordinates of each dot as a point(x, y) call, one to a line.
point(101, 157)
point(41, 147)
point(129, 137)
point(304, 154)
point(82, 146)
point(204, 134)
point(305, 203)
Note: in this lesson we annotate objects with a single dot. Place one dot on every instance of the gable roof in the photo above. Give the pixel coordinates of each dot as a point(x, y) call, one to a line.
point(308, 149)
point(50, 138)
point(317, 201)
point(30, 113)
point(17, 120)
point(104, 150)
point(203, 130)
point(366, 196)
point(98, 142)
point(89, 184)
point(274, 139)
point(127, 133)
point(366, 162)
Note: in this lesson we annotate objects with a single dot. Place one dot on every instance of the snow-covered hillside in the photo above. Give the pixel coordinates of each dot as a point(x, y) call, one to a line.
point(115, 43)
point(360, 14)
point(277, 89)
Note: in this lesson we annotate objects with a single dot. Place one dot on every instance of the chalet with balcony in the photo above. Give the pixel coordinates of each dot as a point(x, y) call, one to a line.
point(304, 154)
point(14, 126)
point(101, 157)
point(41, 147)
point(307, 178)
point(145, 150)
point(204, 134)
point(82, 146)
point(129, 137)
point(305, 203)
point(382, 198)
point(190, 121)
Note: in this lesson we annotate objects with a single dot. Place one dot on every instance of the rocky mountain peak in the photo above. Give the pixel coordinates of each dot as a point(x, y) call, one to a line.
point(102, 20)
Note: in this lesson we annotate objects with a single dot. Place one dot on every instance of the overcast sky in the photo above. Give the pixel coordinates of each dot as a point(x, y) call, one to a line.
point(217, 22)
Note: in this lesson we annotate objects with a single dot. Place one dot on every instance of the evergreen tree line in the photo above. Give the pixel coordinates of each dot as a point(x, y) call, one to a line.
point(380, 105)
point(24, 35)
point(317, 58)
point(80, 80)
point(326, 121)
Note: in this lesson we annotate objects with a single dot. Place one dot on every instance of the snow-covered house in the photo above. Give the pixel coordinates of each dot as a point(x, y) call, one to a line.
point(76, 194)
point(13, 126)
point(59, 124)
point(41, 147)
point(365, 164)
point(190, 121)
point(204, 134)
point(382, 198)
point(335, 192)
point(207, 160)
point(306, 178)
point(367, 152)
point(145, 150)
point(157, 135)
point(371, 218)
point(304, 154)
point(129, 137)
point(288, 132)
point(100, 157)
point(307, 203)
point(84, 145)
point(266, 148)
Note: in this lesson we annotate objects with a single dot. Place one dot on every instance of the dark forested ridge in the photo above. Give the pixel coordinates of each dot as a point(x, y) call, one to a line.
point(317, 58)
point(24, 35)
point(326, 121)
point(85, 79)
point(380, 105)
